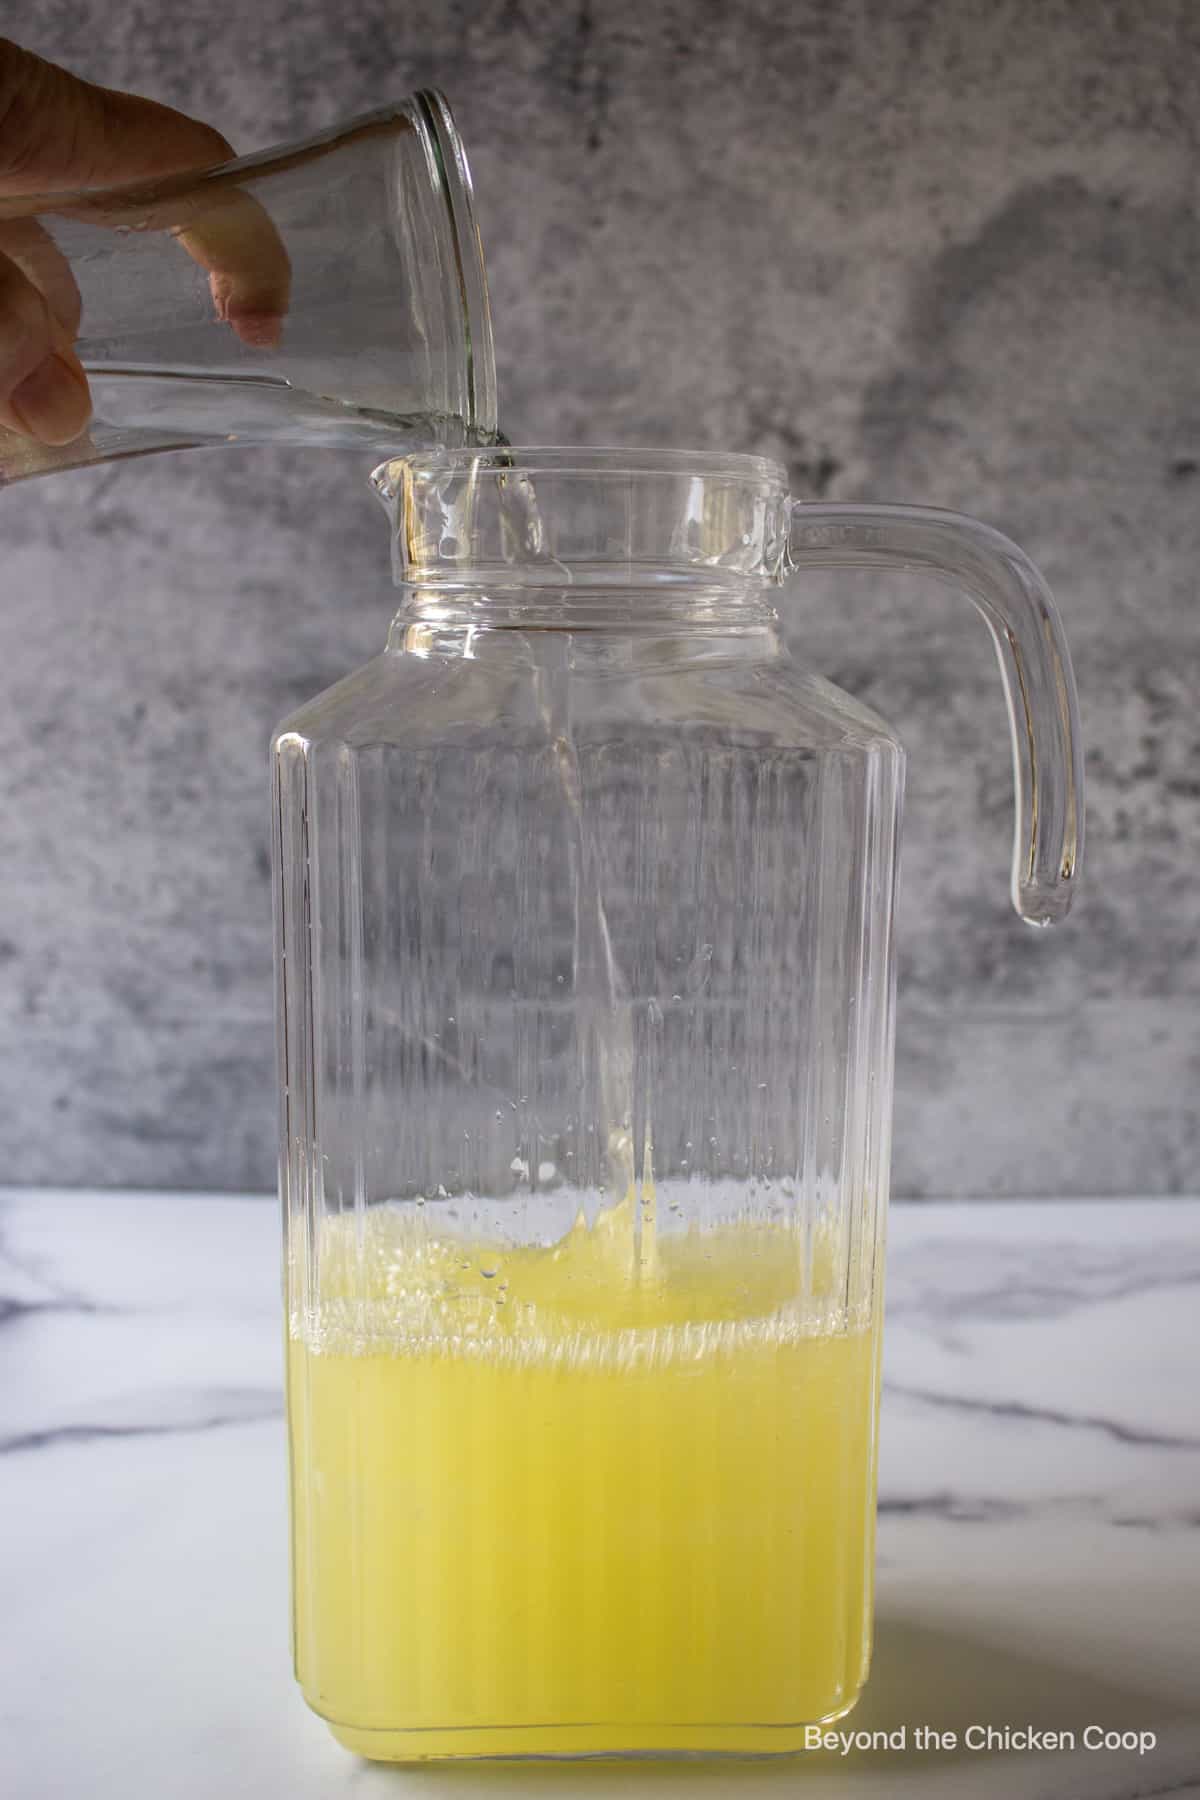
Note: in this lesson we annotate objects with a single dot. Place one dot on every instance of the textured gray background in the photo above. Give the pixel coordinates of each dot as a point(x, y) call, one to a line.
point(937, 252)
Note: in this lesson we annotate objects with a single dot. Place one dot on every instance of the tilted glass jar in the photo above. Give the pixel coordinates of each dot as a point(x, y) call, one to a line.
point(329, 292)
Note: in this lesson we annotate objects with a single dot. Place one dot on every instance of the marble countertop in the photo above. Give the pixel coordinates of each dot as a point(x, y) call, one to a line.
point(1039, 1542)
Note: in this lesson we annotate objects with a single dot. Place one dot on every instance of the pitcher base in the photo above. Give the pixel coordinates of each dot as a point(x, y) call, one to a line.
point(568, 1742)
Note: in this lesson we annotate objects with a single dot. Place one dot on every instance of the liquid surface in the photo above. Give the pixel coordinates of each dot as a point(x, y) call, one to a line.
point(615, 1493)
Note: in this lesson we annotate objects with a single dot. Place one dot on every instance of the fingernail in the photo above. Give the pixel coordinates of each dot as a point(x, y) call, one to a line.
point(258, 330)
point(53, 403)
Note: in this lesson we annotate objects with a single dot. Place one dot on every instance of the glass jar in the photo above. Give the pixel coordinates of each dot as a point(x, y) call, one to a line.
point(585, 894)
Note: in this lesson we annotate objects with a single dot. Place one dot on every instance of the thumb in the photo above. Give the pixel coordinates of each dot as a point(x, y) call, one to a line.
point(59, 132)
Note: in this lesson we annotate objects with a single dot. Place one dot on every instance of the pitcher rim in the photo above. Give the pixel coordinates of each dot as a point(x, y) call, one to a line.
point(586, 460)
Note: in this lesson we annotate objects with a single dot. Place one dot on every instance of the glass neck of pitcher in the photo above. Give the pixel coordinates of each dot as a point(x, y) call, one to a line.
point(602, 630)
point(631, 604)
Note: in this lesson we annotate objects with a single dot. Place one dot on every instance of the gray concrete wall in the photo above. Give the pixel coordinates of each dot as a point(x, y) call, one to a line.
point(938, 252)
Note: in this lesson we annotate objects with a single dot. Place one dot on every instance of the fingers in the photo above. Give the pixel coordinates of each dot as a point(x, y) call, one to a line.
point(250, 274)
point(58, 132)
point(43, 389)
point(225, 230)
point(36, 254)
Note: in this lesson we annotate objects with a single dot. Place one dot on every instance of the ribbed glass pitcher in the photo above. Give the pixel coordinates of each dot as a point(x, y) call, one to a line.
point(585, 895)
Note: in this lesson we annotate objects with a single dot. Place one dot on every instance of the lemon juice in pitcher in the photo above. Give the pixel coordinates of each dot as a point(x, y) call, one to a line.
point(552, 1496)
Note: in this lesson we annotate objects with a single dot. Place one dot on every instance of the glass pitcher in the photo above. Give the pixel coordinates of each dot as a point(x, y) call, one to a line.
point(328, 292)
point(584, 924)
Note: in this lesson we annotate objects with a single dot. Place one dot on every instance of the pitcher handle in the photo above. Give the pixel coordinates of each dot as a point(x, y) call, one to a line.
point(1035, 664)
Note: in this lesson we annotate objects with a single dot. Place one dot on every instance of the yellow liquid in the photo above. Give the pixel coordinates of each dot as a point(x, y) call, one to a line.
point(597, 1497)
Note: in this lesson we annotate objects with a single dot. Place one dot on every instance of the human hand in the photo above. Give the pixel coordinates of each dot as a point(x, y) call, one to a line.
point(60, 134)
